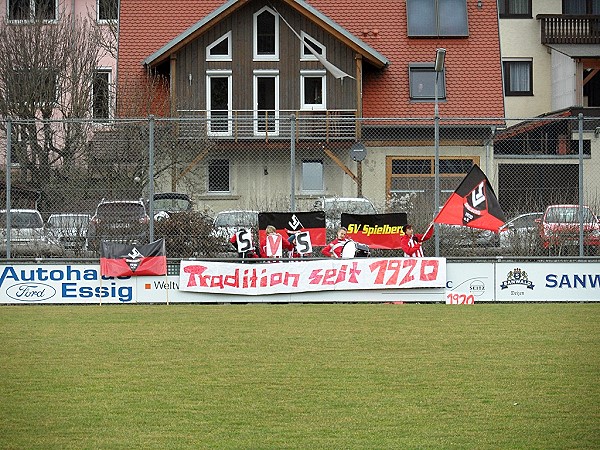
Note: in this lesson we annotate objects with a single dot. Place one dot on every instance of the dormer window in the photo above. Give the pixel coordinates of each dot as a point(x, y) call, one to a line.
point(266, 35)
point(220, 50)
point(315, 46)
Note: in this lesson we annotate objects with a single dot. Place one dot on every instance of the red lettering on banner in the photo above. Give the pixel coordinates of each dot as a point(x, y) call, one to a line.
point(429, 270)
point(411, 264)
point(315, 277)
point(329, 274)
point(195, 271)
point(354, 273)
point(380, 267)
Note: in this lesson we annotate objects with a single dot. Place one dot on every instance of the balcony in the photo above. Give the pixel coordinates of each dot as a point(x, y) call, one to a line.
point(569, 29)
point(267, 125)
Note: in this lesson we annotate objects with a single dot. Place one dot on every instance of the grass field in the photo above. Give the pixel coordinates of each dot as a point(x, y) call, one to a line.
point(343, 376)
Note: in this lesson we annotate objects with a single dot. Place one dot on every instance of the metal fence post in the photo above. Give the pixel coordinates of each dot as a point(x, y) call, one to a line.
point(293, 163)
point(8, 183)
point(581, 202)
point(151, 124)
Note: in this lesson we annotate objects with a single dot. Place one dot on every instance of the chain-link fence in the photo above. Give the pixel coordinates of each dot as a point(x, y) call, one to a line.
point(72, 183)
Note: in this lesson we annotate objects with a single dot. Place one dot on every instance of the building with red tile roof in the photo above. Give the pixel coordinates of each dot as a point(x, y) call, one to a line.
point(473, 68)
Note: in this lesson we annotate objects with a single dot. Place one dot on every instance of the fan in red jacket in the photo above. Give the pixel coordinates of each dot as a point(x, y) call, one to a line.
point(335, 247)
point(410, 242)
point(272, 231)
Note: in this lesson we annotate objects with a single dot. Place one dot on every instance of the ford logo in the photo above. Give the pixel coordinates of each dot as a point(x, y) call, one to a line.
point(31, 292)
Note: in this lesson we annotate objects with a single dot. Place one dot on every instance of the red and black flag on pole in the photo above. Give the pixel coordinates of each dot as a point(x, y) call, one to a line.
point(375, 230)
point(123, 260)
point(474, 204)
point(286, 222)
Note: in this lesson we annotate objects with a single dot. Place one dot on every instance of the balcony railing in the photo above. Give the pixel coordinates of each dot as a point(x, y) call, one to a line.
point(267, 125)
point(569, 29)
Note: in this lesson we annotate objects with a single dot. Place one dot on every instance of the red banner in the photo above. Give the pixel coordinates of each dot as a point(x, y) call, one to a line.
point(474, 204)
point(375, 230)
point(123, 260)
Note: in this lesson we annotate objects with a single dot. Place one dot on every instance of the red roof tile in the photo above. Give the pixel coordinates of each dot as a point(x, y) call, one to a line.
point(473, 64)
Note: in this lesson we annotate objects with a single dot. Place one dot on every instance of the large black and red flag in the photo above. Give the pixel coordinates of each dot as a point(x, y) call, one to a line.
point(375, 230)
point(123, 260)
point(474, 204)
point(285, 222)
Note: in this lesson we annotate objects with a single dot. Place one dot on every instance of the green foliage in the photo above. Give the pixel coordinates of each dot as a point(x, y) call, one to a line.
point(378, 376)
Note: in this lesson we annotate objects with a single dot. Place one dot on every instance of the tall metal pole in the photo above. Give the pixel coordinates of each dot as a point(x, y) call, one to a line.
point(293, 163)
point(436, 166)
point(581, 200)
point(8, 184)
point(151, 174)
point(440, 57)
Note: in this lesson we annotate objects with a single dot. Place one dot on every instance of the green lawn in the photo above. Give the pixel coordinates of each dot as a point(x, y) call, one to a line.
point(340, 376)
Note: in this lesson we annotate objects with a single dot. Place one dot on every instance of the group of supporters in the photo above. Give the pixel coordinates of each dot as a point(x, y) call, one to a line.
point(274, 244)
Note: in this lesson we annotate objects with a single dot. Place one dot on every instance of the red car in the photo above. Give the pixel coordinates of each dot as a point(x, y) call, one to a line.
point(560, 226)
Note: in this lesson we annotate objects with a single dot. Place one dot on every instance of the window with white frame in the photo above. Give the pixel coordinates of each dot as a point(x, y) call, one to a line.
point(220, 50)
point(218, 175)
point(312, 89)
point(437, 18)
point(422, 77)
point(307, 44)
point(518, 77)
point(266, 35)
point(30, 10)
point(312, 176)
point(218, 101)
point(266, 102)
point(101, 94)
point(514, 9)
point(107, 10)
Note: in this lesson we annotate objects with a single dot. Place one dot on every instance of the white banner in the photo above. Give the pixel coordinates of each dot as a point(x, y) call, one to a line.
point(547, 281)
point(307, 276)
point(468, 283)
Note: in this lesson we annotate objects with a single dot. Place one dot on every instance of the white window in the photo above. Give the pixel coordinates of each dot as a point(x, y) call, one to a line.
point(218, 101)
point(312, 176)
point(218, 175)
point(266, 102)
point(312, 89)
point(306, 42)
point(29, 10)
point(220, 50)
point(101, 94)
point(107, 10)
point(437, 18)
point(266, 35)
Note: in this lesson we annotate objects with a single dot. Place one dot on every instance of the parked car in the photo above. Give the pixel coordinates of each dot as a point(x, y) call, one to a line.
point(69, 229)
point(335, 206)
point(466, 239)
point(559, 229)
point(519, 235)
point(124, 221)
point(28, 236)
point(167, 203)
point(228, 222)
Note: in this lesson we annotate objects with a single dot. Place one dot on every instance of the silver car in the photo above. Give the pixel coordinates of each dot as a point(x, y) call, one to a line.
point(519, 235)
point(69, 229)
point(28, 235)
